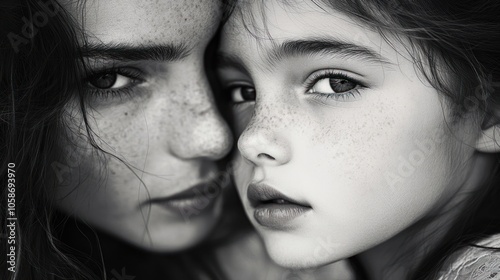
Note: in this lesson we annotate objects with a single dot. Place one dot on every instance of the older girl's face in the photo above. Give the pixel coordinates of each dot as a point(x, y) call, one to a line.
point(343, 144)
point(152, 107)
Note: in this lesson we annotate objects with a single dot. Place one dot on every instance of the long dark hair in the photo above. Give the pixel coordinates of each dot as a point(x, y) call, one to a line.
point(38, 75)
point(41, 70)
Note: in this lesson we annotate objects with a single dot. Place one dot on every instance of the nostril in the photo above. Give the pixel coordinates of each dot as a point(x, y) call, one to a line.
point(265, 156)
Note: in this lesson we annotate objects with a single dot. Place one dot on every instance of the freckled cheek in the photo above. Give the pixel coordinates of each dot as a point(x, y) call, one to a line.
point(349, 155)
point(387, 163)
point(126, 131)
point(349, 145)
point(129, 141)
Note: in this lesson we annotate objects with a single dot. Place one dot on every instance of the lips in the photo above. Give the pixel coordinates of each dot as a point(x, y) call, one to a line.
point(194, 200)
point(273, 209)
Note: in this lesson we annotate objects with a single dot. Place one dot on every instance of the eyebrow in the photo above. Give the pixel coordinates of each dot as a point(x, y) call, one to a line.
point(125, 52)
point(323, 46)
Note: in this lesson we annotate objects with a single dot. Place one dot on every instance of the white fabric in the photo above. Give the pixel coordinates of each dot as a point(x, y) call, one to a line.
point(474, 263)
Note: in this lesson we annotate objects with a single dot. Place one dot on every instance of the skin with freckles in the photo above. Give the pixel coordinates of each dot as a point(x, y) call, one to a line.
point(150, 106)
point(341, 121)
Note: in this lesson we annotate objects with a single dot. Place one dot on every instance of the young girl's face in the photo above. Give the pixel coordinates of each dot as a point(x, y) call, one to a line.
point(343, 144)
point(152, 107)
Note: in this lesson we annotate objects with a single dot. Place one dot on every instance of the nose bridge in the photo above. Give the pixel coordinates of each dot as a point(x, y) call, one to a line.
point(264, 140)
point(269, 117)
point(262, 124)
point(197, 96)
point(201, 131)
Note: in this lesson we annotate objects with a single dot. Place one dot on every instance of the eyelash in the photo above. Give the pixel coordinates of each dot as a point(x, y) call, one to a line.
point(135, 75)
point(344, 96)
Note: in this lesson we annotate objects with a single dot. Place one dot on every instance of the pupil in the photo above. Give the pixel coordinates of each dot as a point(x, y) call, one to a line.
point(248, 93)
point(341, 85)
point(104, 81)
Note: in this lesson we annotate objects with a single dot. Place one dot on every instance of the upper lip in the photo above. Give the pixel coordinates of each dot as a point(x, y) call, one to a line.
point(191, 192)
point(259, 193)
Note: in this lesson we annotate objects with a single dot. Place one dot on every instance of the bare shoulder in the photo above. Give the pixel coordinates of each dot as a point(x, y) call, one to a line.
point(474, 263)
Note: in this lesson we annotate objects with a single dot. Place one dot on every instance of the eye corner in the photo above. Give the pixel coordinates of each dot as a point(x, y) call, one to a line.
point(240, 92)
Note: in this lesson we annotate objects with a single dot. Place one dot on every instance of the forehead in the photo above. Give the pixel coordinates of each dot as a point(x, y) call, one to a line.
point(265, 24)
point(147, 21)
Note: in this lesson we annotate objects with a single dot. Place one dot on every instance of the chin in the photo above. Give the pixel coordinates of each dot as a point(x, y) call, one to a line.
point(299, 252)
point(165, 234)
point(172, 237)
point(177, 236)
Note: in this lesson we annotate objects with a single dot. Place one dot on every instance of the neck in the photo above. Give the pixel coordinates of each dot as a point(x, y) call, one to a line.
point(399, 256)
point(246, 258)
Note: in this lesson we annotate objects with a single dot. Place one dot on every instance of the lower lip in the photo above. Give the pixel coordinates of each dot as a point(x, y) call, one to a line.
point(278, 216)
point(189, 206)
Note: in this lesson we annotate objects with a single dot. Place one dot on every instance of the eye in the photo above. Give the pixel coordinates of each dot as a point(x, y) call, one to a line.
point(110, 81)
point(333, 85)
point(240, 94)
point(114, 82)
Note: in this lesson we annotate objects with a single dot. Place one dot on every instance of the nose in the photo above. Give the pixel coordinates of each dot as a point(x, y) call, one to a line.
point(264, 143)
point(201, 132)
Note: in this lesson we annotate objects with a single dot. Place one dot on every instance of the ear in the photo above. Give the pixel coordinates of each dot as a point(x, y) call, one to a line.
point(489, 140)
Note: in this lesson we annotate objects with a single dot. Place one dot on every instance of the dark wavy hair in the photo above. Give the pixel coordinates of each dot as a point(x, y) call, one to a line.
point(38, 75)
point(41, 70)
point(456, 46)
